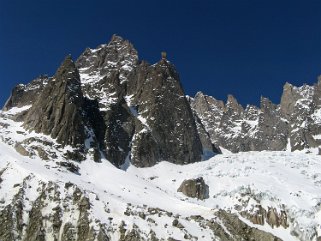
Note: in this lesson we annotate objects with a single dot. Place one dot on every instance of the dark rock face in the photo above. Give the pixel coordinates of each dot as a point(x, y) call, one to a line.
point(26, 94)
point(301, 108)
point(143, 107)
point(208, 146)
point(105, 72)
point(166, 125)
point(58, 110)
point(129, 109)
point(194, 188)
point(242, 231)
point(119, 131)
point(146, 114)
point(272, 130)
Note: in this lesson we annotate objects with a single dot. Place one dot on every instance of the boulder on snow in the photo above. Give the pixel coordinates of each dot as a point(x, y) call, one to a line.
point(21, 149)
point(194, 188)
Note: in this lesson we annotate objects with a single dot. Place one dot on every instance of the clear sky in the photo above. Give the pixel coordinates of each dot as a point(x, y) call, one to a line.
point(247, 48)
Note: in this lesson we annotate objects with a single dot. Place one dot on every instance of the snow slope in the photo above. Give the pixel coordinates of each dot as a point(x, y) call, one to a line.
point(287, 181)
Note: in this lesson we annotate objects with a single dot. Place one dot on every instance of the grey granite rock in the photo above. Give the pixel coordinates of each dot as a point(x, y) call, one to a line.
point(194, 188)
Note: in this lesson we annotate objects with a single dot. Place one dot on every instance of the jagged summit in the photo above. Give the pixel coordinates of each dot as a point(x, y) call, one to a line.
point(294, 124)
point(117, 54)
point(68, 72)
point(163, 105)
point(165, 63)
point(58, 109)
point(121, 105)
point(117, 38)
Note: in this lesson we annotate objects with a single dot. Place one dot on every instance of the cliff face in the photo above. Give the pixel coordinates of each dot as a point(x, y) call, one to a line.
point(57, 111)
point(166, 125)
point(123, 108)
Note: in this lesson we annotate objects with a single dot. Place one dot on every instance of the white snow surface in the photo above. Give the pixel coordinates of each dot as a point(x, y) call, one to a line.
point(282, 180)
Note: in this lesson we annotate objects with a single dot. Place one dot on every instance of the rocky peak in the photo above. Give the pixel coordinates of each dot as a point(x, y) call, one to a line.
point(121, 51)
point(199, 95)
point(287, 100)
point(301, 107)
point(67, 70)
point(23, 95)
point(251, 112)
point(232, 105)
point(58, 109)
point(167, 124)
point(294, 123)
point(120, 43)
point(200, 102)
point(129, 110)
point(317, 92)
point(207, 103)
point(266, 104)
point(117, 54)
point(67, 75)
point(297, 99)
point(168, 71)
point(106, 71)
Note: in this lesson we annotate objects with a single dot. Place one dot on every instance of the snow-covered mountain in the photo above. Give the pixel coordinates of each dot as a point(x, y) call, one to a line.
point(111, 148)
point(294, 124)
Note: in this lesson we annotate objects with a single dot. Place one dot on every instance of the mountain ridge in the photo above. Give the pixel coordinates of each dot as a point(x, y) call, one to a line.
point(113, 71)
point(113, 76)
point(298, 107)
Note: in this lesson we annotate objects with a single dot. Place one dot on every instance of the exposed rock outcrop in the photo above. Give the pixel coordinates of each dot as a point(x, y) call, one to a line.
point(241, 230)
point(271, 216)
point(194, 188)
point(17, 223)
point(22, 95)
point(21, 150)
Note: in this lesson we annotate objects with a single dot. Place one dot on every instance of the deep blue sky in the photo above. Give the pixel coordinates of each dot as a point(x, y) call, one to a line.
point(247, 48)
